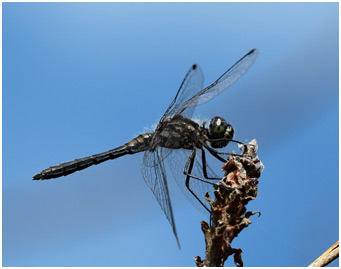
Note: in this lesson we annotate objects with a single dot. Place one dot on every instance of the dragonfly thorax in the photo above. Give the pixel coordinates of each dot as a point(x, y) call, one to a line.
point(220, 131)
point(180, 132)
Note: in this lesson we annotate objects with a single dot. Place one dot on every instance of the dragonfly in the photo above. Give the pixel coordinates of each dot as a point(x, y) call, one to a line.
point(176, 134)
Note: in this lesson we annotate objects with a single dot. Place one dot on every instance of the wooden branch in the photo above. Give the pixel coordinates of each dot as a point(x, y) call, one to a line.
point(229, 215)
point(330, 255)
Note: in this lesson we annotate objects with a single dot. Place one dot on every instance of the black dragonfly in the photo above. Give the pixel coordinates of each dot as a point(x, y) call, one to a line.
point(176, 130)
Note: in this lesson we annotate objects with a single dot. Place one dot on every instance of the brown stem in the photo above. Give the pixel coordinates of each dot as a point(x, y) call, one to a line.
point(229, 214)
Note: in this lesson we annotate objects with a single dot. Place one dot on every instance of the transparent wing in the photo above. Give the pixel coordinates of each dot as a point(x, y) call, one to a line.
point(154, 175)
point(221, 84)
point(176, 161)
point(190, 86)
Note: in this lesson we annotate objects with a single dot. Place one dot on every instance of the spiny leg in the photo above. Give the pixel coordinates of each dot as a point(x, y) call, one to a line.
point(187, 170)
point(215, 153)
point(204, 166)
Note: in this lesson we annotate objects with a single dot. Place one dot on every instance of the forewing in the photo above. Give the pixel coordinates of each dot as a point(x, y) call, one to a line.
point(154, 175)
point(190, 86)
point(222, 83)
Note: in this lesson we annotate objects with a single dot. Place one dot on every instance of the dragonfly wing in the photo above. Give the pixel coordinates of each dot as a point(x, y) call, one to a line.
point(190, 86)
point(154, 175)
point(222, 83)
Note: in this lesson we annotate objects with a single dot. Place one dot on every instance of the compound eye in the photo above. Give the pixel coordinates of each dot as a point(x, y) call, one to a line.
point(229, 129)
point(217, 127)
point(219, 132)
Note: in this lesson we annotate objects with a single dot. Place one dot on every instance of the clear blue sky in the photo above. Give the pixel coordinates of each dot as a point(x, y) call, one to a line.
point(82, 78)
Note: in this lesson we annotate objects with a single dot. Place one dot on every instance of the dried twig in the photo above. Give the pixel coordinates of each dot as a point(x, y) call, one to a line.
point(229, 215)
point(330, 255)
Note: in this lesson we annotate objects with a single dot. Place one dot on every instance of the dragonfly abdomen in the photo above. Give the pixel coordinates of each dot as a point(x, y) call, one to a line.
point(138, 144)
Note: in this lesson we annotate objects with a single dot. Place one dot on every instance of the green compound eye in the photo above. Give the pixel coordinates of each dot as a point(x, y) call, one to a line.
point(219, 132)
point(219, 129)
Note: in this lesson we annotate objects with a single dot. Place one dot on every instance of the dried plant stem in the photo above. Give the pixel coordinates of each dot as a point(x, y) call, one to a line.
point(330, 255)
point(229, 216)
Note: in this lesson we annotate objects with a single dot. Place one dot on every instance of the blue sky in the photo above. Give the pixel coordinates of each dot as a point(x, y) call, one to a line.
point(82, 78)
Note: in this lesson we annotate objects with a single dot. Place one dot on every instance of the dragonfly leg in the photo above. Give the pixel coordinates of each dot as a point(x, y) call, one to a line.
point(215, 153)
point(187, 170)
point(204, 166)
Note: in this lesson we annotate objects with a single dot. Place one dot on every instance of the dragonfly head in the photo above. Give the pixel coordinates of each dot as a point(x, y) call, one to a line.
point(221, 131)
